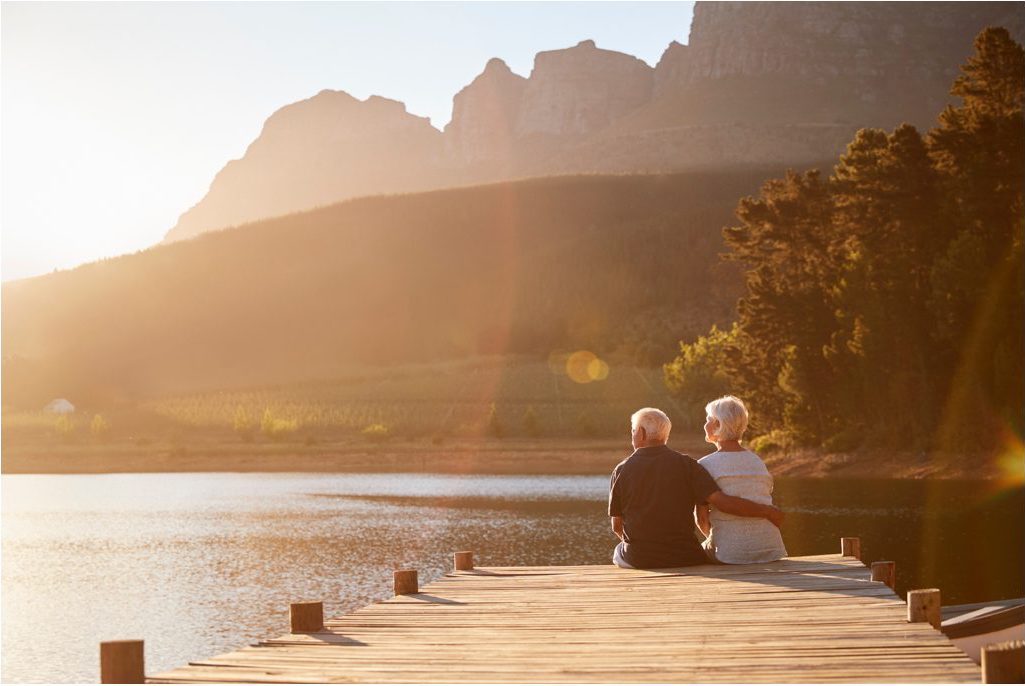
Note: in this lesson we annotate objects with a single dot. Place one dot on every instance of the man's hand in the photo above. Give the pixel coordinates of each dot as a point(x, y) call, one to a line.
point(745, 508)
point(617, 527)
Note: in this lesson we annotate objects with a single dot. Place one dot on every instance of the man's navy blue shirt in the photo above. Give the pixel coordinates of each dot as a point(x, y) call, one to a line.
point(655, 491)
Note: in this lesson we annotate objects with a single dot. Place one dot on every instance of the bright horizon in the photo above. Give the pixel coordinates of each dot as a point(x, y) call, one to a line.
point(117, 116)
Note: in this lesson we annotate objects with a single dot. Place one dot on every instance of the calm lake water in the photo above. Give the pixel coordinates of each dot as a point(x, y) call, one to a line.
point(199, 564)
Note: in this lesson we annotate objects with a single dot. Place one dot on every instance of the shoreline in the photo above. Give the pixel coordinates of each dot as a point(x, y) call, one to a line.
point(556, 457)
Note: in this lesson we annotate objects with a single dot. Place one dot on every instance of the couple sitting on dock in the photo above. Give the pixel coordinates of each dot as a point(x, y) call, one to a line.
point(658, 494)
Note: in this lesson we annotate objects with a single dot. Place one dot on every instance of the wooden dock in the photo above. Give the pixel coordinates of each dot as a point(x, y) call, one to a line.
point(804, 619)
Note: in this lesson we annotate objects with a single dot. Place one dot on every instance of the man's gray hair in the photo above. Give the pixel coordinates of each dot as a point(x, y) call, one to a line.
point(655, 423)
point(731, 414)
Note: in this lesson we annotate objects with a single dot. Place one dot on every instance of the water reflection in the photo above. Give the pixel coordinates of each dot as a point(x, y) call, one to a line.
point(199, 564)
point(963, 537)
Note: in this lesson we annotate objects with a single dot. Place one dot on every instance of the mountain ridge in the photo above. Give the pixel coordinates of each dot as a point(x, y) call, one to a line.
point(756, 83)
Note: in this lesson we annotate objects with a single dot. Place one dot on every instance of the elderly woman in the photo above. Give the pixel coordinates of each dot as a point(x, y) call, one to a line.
point(740, 473)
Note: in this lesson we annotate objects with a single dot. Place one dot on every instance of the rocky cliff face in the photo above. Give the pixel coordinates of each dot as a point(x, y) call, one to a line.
point(828, 40)
point(581, 90)
point(484, 116)
point(504, 125)
point(315, 152)
point(867, 63)
point(672, 70)
point(780, 82)
point(789, 82)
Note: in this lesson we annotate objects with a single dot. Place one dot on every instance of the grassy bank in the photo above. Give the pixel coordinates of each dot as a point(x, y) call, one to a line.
point(457, 456)
point(497, 415)
point(482, 456)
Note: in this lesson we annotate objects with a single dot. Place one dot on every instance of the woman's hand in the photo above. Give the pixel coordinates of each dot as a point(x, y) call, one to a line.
point(746, 508)
point(776, 516)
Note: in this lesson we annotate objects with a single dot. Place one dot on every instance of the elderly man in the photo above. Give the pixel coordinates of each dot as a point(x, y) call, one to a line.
point(652, 499)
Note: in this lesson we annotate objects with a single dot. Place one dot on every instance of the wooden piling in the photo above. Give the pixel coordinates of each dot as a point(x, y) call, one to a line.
point(1004, 663)
point(850, 547)
point(924, 606)
point(406, 582)
point(885, 572)
point(122, 662)
point(306, 617)
point(463, 561)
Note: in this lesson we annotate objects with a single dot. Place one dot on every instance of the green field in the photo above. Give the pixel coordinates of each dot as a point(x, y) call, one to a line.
point(450, 399)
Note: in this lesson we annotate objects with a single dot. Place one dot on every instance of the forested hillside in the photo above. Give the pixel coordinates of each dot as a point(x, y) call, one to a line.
point(884, 302)
point(621, 265)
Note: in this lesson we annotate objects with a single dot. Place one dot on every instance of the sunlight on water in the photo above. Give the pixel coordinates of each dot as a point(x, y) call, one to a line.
point(199, 564)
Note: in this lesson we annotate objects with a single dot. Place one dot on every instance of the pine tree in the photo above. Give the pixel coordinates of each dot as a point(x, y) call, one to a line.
point(786, 318)
point(978, 294)
point(888, 230)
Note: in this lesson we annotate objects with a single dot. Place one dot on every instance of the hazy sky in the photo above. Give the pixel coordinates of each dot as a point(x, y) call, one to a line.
point(116, 116)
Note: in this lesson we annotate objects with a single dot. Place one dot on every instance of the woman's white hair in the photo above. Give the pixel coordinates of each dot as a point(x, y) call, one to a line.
point(655, 423)
point(731, 414)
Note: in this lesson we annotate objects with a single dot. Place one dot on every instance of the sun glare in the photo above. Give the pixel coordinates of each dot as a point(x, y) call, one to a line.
point(1010, 461)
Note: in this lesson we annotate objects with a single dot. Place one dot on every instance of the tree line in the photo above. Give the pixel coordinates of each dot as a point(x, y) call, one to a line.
point(883, 303)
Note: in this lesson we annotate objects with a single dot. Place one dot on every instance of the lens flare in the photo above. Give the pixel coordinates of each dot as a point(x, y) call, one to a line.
point(1010, 461)
point(584, 366)
point(598, 370)
point(578, 364)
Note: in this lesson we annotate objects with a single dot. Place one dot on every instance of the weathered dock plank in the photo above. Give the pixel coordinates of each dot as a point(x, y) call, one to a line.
point(808, 619)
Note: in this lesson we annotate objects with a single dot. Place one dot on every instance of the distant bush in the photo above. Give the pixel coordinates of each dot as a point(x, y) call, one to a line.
point(242, 424)
point(494, 424)
point(276, 428)
point(65, 427)
point(376, 432)
point(99, 427)
point(772, 442)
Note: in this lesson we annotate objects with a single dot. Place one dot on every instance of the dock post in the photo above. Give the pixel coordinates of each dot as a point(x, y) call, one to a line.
point(463, 561)
point(122, 662)
point(305, 618)
point(1004, 663)
point(924, 606)
point(850, 547)
point(885, 572)
point(406, 582)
